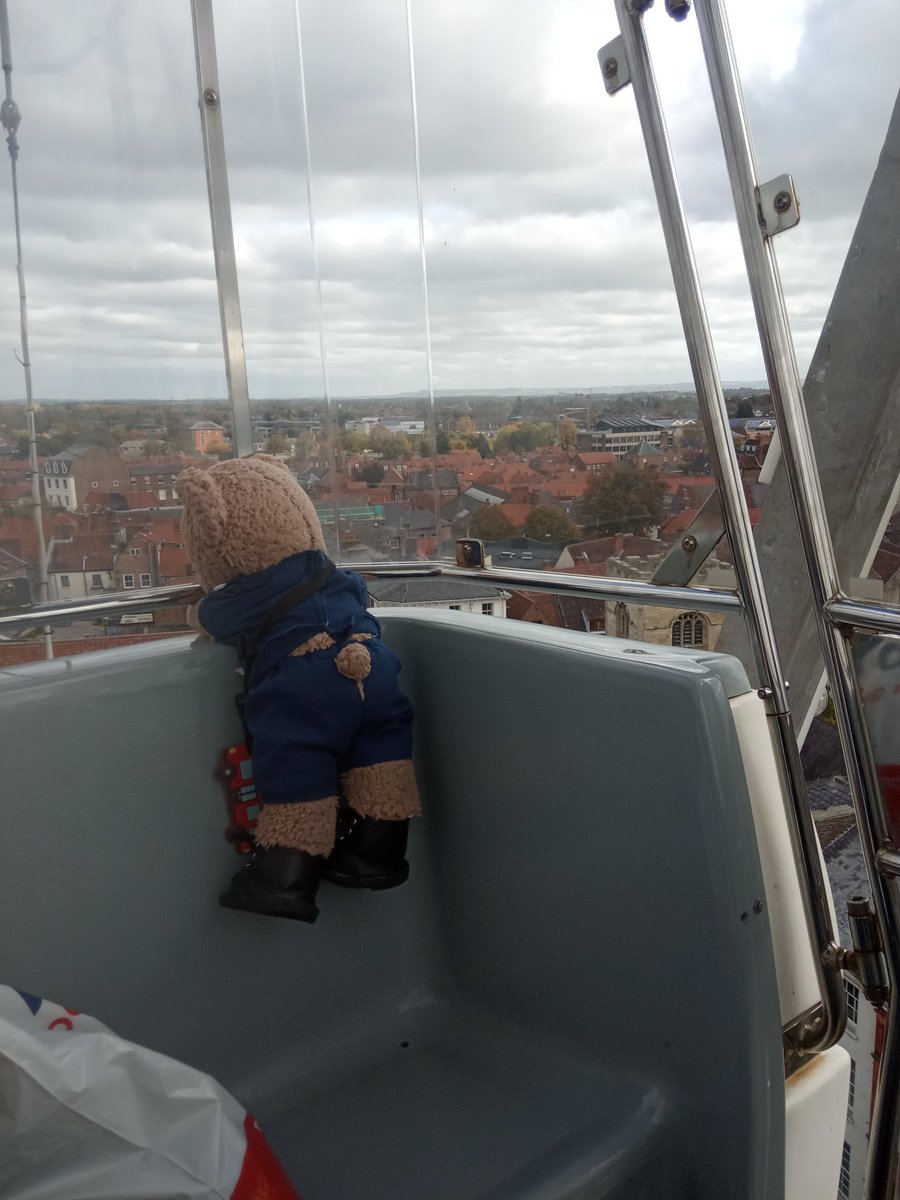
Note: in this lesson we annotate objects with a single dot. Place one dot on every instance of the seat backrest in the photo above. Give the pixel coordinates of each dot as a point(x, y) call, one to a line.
point(587, 861)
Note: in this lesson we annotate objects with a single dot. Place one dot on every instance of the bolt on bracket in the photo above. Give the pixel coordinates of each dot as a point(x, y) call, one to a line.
point(779, 208)
point(614, 65)
point(695, 546)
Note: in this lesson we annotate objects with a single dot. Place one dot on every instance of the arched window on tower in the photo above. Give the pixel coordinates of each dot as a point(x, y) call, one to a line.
point(690, 629)
point(622, 622)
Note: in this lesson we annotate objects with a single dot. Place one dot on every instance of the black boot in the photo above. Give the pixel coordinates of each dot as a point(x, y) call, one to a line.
point(370, 854)
point(276, 882)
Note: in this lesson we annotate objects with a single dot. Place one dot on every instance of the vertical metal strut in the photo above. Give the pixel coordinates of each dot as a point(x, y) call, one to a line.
point(809, 507)
point(423, 259)
point(823, 1030)
point(331, 422)
point(10, 118)
point(220, 218)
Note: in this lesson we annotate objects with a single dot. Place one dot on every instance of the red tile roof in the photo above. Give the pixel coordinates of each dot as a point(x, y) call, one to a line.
point(460, 460)
point(137, 498)
point(164, 529)
point(517, 513)
point(21, 529)
point(567, 486)
point(675, 482)
point(13, 654)
point(174, 565)
point(676, 525)
point(10, 492)
point(596, 459)
point(562, 612)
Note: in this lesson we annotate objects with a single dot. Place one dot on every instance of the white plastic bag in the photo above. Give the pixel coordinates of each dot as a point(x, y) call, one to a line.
point(86, 1115)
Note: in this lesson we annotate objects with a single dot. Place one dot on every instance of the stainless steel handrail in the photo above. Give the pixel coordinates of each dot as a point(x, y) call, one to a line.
point(111, 604)
point(846, 613)
point(825, 1030)
point(702, 599)
point(602, 587)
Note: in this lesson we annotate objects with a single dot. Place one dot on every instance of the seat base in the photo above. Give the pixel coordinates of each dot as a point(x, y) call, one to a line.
point(456, 1105)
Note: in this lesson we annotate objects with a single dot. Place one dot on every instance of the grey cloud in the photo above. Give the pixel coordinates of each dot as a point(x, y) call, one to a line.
point(546, 263)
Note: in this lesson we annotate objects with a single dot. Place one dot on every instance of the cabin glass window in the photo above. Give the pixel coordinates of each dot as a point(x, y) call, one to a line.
point(127, 581)
point(851, 1095)
point(145, 579)
point(852, 993)
point(844, 1181)
point(96, 581)
point(487, 609)
point(64, 581)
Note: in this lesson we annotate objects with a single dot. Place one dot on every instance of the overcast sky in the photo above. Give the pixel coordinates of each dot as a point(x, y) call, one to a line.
point(546, 264)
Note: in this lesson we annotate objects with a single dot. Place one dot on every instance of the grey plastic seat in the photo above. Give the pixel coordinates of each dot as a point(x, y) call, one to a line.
point(572, 997)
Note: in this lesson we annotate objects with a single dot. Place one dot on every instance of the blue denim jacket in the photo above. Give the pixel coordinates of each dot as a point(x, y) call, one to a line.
point(309, 723)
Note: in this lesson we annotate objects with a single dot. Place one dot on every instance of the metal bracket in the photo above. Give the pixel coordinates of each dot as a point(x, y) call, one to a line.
point(614, 65)
point(779, 208)
point(694, 547)
point(795, 1037)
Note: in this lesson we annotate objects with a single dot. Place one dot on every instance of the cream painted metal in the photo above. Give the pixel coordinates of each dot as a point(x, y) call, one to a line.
point(798, 989)
point(815, 1112)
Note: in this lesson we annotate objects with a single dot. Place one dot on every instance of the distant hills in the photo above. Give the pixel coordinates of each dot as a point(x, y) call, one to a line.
point(686, 389)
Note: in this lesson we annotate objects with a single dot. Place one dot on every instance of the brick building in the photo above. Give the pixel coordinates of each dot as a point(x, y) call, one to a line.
point(70, 476)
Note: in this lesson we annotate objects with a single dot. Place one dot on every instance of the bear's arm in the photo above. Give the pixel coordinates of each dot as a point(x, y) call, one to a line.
point(193, 619)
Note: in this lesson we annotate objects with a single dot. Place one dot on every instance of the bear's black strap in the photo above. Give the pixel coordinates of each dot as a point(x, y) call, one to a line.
point(248, 646)
point(282, 607)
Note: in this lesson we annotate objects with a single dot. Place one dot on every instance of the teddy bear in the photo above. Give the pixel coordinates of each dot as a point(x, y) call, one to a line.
point(331, 729)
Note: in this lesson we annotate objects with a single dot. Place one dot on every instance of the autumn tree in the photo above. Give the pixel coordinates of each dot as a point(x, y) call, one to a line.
point(624, 500)
point(353, 443)
point(278, 444)
point(525, 435)
point(691, 437)
point(491, 524)
point(307, 444)
point(464, 425)
point(568, 435)
point(389, 445)
point(372, 473)
point(548, 524)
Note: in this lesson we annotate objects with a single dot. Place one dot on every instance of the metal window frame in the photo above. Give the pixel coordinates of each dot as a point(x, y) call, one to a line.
point(627, 60)
point(798, 457)
point(836, 616)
